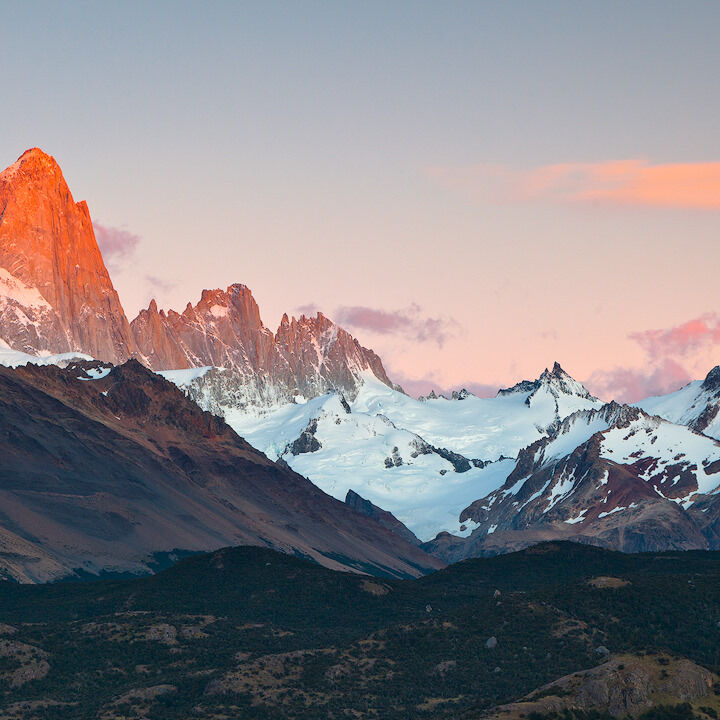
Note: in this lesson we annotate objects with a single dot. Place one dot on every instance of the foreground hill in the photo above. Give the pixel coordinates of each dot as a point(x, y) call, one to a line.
point(112, 469)
point(247, 632)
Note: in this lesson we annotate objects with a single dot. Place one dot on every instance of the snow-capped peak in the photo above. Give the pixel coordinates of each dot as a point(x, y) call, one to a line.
point(559, 382)
point(556, 381)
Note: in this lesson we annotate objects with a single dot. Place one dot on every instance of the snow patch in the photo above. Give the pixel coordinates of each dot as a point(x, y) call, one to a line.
point(577, 519)
point(219, 311)
point(184, 378)
point(15, 358)
point(12, 288)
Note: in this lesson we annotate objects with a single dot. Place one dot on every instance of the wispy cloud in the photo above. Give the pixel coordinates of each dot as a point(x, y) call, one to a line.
point(157, 283)
point(683, 339)
point(632, 182)
point(156, 287)
point(308, 309)
point(410, 322)
point(674, 356)
point(633, 384)
point(116, 244)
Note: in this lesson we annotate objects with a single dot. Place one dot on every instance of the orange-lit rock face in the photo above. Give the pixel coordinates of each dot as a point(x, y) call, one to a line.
point(55, 292)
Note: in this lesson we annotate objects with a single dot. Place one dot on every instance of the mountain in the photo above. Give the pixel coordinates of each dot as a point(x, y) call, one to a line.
point(612, 476)
point(111, 469)
point(696, 405)
point(553, 388)
point(424, 460)
point(55, 292)
point(306, 357)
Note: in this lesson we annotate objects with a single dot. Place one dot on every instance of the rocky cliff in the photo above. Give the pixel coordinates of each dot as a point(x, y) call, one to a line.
point(55, 291)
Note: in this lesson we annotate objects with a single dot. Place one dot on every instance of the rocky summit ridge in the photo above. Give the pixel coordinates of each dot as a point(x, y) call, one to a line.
point(308, 356)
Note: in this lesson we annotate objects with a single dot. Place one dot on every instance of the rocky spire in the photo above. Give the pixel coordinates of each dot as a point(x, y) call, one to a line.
point(55, 291)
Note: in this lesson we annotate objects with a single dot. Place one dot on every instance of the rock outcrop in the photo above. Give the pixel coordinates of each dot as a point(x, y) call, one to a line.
point(627, 685)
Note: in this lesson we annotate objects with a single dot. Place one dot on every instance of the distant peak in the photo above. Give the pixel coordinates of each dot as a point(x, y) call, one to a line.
point(712, 379)
point(556, 381)
point(37, 158)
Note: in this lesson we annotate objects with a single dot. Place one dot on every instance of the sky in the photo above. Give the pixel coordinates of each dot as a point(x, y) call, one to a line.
point(473, 189)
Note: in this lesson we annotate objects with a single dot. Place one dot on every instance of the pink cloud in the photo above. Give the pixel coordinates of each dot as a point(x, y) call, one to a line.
point(681, 339)
point(663, 373)
point(410, 323)
point(632, 182)
point(115, 244)
point(632, 384)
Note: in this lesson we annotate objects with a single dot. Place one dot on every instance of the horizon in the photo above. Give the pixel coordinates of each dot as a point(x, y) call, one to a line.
point(468, 197)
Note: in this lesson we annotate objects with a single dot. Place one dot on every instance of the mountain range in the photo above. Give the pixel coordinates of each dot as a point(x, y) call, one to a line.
point(184, 431)
point(56, 296)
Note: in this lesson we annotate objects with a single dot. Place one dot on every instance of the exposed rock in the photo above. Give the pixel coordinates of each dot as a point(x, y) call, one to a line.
point(394, 460)
point(35, 670)
point(55, 291)
point(444, 667)
point(385, 518)
point(145, 694)
point(460, 395)
point(625, 685)
point(164, 633)
point(603, 581)
point(460, 463)
point(307, 442)
point(22, 663)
